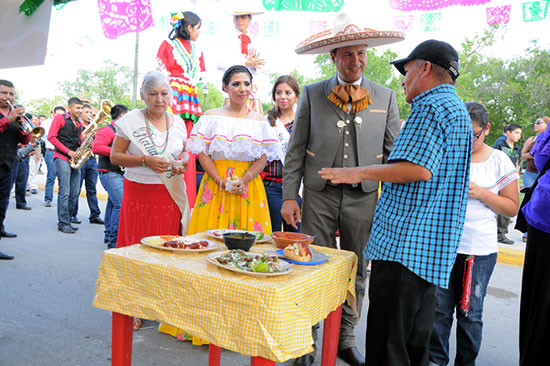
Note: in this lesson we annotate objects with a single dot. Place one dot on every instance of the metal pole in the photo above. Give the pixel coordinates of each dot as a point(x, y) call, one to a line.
point(134, 92)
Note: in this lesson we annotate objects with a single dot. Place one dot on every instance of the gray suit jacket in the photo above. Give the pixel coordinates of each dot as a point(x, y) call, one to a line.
point(314, 137)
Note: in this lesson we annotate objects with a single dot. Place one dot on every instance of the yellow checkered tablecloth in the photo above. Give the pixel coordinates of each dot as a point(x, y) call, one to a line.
point(270, 317)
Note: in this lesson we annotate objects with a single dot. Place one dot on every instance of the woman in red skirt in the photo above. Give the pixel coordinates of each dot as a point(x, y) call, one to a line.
point(150, 144)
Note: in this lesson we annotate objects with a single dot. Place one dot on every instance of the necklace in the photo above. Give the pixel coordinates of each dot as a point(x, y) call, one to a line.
point(188, 57)
point(164, 145)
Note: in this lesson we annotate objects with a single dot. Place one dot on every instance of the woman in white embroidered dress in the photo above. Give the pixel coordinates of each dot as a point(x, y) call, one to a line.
point(233, 144)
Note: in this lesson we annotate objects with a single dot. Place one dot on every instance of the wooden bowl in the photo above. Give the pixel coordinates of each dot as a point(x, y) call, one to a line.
point(284, 238)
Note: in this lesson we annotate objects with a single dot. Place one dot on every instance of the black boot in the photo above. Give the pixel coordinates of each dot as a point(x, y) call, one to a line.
point(352, 356)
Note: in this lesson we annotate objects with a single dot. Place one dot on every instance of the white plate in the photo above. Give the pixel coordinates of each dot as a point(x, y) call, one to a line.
point(218, 234)
point(156, 242)
point(212, 259)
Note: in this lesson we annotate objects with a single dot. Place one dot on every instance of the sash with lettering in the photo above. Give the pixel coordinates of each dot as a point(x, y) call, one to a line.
point(174, 183)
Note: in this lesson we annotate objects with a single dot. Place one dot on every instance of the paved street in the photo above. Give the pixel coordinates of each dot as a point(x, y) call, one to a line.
point(47, 318)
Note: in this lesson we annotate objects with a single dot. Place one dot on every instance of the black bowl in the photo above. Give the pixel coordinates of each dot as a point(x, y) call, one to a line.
point(239, 240)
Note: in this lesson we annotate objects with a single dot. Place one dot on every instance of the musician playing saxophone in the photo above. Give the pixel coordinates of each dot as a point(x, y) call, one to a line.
point(88, 174)
point(65, 135)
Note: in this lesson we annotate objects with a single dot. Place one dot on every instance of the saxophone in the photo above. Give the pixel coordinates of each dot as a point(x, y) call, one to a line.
point(88, 135)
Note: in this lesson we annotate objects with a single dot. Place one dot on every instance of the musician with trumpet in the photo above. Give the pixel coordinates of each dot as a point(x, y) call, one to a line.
point(65, 135)
point(11, 134)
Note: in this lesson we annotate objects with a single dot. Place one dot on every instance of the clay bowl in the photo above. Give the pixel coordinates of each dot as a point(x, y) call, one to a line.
point(238, 240)
point(284, 238)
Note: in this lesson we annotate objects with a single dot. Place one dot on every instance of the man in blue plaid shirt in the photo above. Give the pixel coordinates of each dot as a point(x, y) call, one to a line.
point(420, 215)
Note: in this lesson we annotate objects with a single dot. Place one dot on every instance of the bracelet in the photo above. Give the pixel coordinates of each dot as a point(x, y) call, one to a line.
point(143, 162)
point(251, 177)
point(221, 182)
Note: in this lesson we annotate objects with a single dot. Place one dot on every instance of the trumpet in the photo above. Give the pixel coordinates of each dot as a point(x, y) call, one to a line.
point(26, 125)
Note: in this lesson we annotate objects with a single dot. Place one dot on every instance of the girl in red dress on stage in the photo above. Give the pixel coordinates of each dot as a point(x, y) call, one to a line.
point(184, 64)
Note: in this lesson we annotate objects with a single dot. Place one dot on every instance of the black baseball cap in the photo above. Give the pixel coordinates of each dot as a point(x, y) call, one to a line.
point(437, 52)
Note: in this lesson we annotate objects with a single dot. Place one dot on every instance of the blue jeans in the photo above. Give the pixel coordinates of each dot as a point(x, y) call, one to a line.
point(20, 177)
point(529, 178)
point(468, 326)
point(274, 193)
point(69, 190)
point(113, 184)
point(89, 174)
point(50, 178)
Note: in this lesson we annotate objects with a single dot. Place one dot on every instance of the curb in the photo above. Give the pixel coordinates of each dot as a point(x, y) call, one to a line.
point(512, 257)
point(103, 196)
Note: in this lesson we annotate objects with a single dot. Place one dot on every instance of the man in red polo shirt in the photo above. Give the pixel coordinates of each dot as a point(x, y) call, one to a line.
point(65, 135)
point(10, 135)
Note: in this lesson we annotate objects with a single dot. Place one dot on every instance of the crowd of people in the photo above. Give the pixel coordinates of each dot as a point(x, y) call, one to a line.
point(170, 169)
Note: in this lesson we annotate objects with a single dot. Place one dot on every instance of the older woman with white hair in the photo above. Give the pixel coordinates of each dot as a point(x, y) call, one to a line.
point(151, 144)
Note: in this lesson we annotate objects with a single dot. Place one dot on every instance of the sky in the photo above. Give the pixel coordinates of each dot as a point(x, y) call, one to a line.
point(76, 39)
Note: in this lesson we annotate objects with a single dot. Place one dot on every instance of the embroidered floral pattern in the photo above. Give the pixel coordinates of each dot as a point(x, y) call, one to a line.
point(218, 209)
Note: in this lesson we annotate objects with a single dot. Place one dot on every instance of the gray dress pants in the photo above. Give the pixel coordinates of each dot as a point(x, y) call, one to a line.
point(351, 211)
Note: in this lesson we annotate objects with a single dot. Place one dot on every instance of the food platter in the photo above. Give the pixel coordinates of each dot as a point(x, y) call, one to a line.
point(218, 234)
point(316, 258)
point(157, 242)
point(285, 267)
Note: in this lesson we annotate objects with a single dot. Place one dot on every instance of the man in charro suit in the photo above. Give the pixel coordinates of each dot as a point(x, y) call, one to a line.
point(344, 121)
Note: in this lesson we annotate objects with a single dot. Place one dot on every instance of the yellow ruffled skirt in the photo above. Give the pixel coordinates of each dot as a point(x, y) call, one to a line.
point(219, 209)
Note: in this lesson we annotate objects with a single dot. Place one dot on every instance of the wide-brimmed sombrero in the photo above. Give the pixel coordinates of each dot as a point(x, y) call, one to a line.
point(343, 34)
point(241, 7)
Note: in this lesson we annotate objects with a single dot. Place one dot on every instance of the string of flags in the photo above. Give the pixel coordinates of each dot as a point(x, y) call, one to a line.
point(119, 17)
point(531, 12)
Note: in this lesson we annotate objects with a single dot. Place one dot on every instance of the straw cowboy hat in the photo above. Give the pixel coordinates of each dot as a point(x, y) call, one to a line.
point(241, 7)
point(343, 34)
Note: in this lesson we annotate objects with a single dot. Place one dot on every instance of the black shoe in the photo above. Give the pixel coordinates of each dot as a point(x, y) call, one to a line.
point(305, 360)
point(48, 203)
point(73, 227)
point(75, 220)
point(505, 240)
point(23, 207)
point(352, 356)
point(67, 229)
point(7, 234)
point(96, 220)
point(34, 191)
point(111, 245)
point(5, 256)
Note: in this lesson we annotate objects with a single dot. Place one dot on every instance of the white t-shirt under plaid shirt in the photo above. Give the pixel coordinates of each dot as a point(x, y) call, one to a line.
point(419, 224)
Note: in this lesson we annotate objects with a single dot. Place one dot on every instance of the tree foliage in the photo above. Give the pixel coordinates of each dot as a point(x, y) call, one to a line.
point(213, 98)
point(111, 81)
point(513, 90)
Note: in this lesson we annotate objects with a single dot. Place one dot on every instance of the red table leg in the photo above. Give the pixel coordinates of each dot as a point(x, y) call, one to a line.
point(260, 361)
point(122, 340)
point(330, 337)
point(214, 355)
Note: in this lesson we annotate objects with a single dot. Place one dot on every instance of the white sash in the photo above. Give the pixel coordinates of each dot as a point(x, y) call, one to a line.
point(283, 135)
point(175, 184)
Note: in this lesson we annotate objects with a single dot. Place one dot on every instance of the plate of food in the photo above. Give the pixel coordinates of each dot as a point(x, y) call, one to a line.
point(218, 234)
point(250, 263)
point(176, 243)
point(301, 254)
